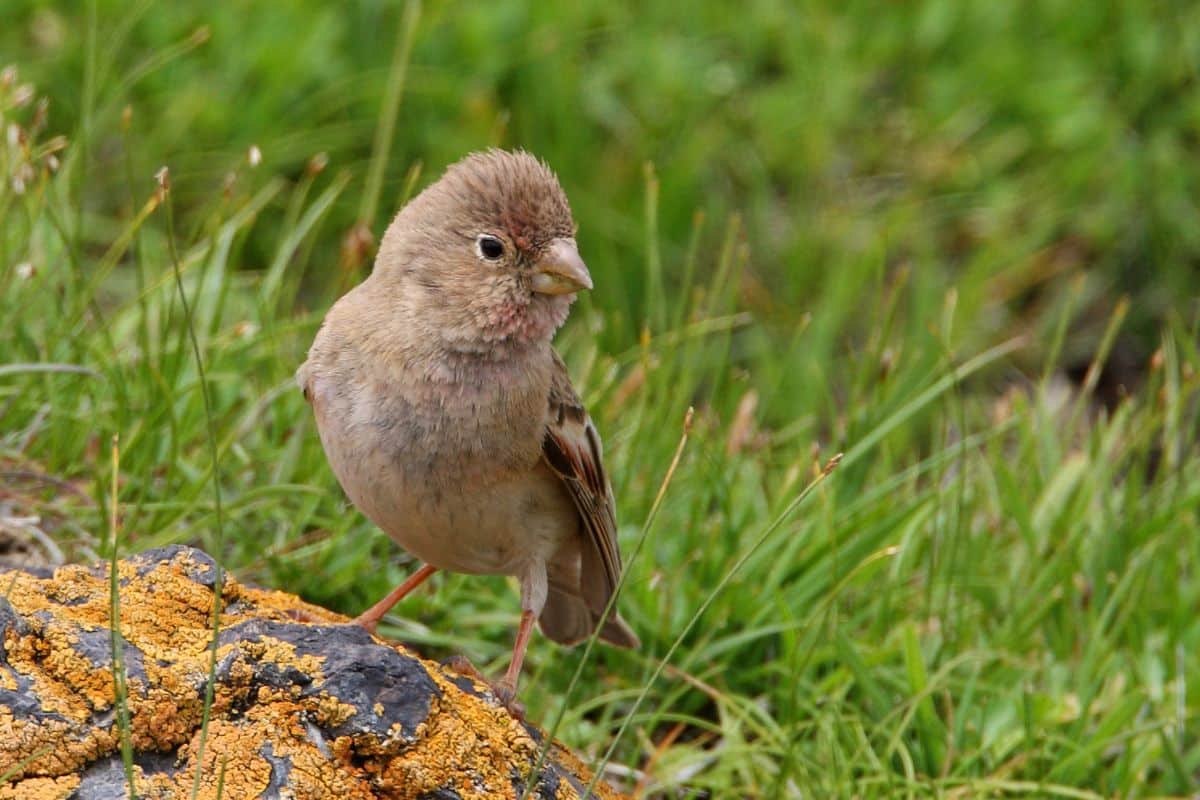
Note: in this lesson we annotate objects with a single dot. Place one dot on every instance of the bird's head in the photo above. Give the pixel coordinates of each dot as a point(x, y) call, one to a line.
point(487, 253)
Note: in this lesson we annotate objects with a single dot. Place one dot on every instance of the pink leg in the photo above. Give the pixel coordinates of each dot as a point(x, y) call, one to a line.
point(370, 618)
point(506, 688)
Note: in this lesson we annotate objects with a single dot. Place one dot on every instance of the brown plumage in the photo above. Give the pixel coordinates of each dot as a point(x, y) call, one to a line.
point(446, 414)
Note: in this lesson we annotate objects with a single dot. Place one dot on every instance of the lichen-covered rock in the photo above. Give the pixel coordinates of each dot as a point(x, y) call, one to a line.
point(300, 709)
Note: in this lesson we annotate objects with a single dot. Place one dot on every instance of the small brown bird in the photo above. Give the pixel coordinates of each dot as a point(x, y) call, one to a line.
point(448, 417)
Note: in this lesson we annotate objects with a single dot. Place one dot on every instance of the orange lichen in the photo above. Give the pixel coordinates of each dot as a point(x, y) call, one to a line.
point(277, 719)
point(41, 789)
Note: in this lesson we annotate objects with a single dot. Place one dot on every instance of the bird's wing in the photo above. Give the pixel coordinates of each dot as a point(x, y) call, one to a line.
point(571, 447)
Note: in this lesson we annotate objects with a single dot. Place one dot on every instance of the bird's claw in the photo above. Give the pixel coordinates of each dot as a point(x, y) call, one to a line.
point(505, 691)
point(463, 666)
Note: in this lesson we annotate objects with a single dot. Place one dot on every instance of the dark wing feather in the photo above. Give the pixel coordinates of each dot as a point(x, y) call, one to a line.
point(571, 447)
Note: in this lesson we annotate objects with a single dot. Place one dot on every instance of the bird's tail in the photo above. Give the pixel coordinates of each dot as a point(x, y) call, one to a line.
point(567, 620)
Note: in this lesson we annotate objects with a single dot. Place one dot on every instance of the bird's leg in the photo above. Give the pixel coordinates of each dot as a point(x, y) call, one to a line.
point(506, 687)
point(370, 618)
point(533, 600)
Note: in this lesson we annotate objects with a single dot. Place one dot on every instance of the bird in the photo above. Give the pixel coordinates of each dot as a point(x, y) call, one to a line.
point(449, 419)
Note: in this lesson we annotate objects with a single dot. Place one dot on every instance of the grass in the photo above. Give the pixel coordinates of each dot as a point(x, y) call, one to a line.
point(953, 241)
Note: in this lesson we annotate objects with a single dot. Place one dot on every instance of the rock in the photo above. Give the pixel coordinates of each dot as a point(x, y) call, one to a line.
point(300, 709)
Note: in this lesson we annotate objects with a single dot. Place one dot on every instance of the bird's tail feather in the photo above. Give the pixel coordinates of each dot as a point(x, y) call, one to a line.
point(567, 620)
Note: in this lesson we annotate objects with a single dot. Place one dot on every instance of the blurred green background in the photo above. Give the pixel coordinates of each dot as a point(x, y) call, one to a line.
point(1021, 141)
point(955, 239)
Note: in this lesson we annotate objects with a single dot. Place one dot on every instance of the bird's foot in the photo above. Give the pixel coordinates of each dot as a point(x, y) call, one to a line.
point(504, 690)
point(463, 666)
point(305, 616)
point(300, 615)
point(506, 693)
point(366, 621)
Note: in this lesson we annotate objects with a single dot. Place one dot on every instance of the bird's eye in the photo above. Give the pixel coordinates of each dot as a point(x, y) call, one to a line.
point(489, 247)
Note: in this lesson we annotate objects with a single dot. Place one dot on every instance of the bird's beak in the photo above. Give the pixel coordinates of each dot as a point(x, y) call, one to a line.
point(561, 270)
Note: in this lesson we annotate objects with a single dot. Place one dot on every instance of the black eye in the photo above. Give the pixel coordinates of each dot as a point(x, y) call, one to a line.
point(489, 247)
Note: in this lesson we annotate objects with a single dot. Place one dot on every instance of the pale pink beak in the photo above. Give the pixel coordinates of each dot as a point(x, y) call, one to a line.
point(560, 270)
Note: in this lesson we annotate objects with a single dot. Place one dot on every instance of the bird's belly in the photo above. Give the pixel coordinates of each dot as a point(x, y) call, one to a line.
point(494, 530)
point(494, 527)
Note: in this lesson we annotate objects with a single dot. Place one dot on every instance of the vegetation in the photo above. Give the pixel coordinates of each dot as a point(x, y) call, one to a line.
point(953, 241)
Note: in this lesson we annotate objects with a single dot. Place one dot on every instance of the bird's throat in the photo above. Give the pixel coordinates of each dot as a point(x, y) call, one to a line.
point(522, 324)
